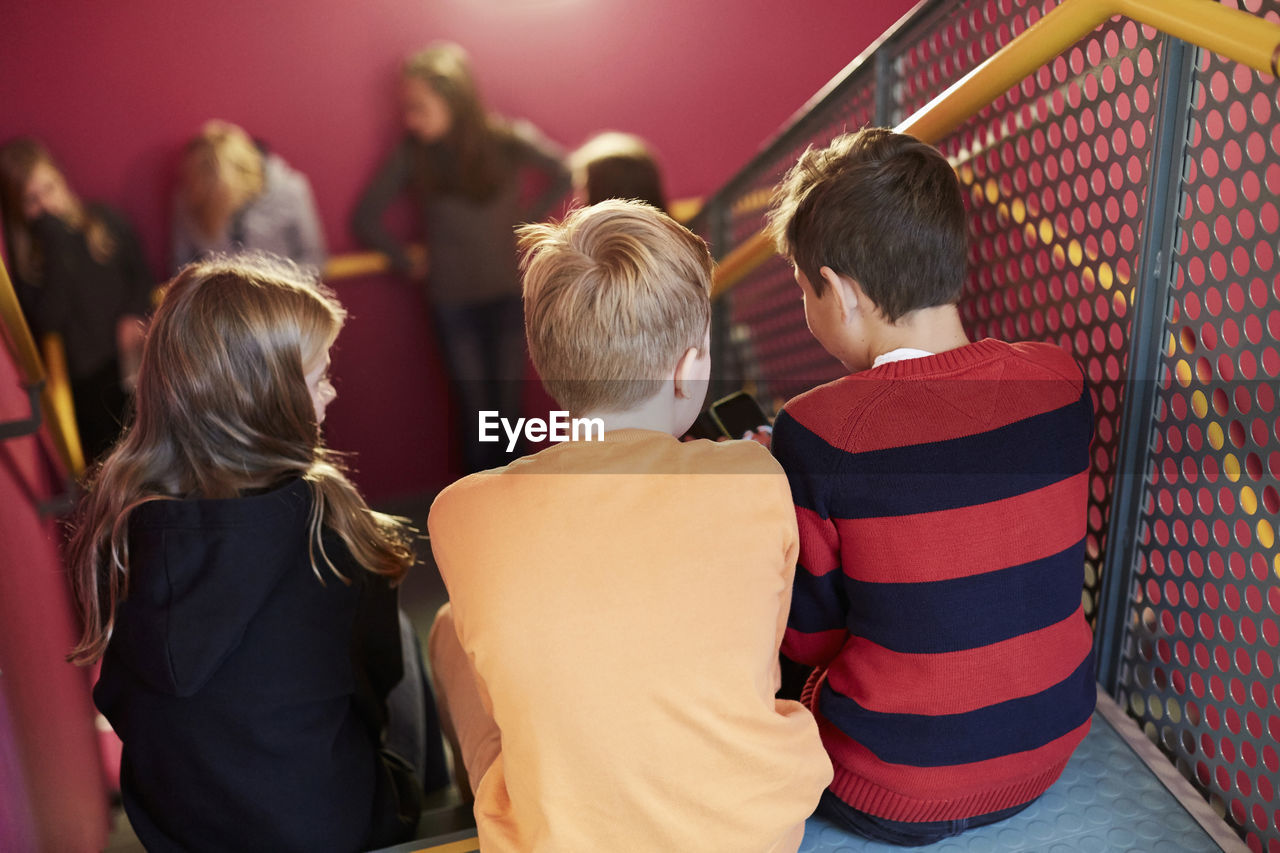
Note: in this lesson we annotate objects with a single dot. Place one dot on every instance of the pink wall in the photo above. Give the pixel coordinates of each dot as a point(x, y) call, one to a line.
point(114, 89)
point(52, 788)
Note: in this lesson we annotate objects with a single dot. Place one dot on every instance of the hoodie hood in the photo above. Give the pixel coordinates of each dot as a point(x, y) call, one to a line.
point(199, 572)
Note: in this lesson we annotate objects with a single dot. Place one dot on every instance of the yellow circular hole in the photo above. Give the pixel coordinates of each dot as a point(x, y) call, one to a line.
point(1059, 254)
point(1075, 253)
point(1266, 533)
point(1105, 277)
point(1019, 210)
point(993, 191)
point(1171, 347)
point(1199, 404)
point(1275, 564)
point(1174, 710)
point(1248, 500)
point(1155, 707)
point(1231, 467)
point(1214, 434)
point(1183, 372)
point(1046, 231)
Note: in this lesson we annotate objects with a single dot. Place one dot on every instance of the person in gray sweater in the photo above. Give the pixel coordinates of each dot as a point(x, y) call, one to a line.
point(235, 195)
point(466, 171)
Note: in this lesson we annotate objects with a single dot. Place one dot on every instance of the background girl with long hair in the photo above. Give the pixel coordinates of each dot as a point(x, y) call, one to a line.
point(238, 589)
point(464, 169)
point(79, 272)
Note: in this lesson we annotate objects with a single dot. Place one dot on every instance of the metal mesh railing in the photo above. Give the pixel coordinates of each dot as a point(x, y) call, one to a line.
point(1203, 634)
point(1123, 205)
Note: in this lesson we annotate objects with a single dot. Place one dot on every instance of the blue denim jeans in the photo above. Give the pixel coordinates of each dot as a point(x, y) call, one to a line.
point(899, 832)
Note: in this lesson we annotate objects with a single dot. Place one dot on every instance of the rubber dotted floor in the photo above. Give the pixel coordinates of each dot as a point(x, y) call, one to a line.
point(1107, 800)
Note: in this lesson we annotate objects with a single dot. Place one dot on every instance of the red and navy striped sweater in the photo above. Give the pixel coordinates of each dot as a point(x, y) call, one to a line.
point(942, 503)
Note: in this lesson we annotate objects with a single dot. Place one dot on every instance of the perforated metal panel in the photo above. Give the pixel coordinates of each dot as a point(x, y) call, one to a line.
point(1203, 633)
point(1059, 172)
point(1056, 172)
point(949, 42)
point(765, 313)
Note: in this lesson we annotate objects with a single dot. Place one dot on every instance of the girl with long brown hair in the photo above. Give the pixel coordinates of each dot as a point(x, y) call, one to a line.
point(79, 273)
point(464, 169)
point(238, 589)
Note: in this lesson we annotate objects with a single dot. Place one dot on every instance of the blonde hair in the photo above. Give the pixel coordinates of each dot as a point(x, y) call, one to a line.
point(221, 171)
point(613, 296)
point(222, 408)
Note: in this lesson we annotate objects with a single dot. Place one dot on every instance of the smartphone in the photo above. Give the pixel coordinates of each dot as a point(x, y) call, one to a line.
point(704, 427)
point(738, 414)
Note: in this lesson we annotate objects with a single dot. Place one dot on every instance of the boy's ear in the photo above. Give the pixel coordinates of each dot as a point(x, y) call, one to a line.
point(843, 290)
point(685, 372)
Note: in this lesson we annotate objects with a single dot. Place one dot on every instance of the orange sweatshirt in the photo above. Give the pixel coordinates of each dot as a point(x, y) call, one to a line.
point(622, 603)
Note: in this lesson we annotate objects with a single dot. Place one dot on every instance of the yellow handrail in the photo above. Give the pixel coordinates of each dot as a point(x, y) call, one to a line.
point(60, 406)
point(24, 346)
point(1235, 34)
point(50, 373)
point(356, 264)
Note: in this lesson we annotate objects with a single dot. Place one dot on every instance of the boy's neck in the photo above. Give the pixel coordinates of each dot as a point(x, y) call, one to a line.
point(657, 414)
point(934, 330)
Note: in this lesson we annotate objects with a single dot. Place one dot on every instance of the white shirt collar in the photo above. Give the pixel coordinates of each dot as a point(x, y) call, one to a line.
point(899, 354)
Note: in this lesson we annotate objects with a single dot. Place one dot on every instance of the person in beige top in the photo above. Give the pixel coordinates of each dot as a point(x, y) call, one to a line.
point(609, 656)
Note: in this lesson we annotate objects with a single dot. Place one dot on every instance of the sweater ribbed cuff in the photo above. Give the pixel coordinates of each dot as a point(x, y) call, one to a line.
point(867, 796)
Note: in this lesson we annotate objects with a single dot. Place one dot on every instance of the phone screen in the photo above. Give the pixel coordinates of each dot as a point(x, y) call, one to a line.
point(704, 427)
point(738, 414)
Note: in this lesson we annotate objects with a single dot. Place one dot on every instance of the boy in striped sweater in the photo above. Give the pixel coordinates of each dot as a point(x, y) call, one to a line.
point(940, 489)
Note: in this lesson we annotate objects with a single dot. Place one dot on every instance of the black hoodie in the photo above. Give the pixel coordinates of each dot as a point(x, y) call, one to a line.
point(250, 695)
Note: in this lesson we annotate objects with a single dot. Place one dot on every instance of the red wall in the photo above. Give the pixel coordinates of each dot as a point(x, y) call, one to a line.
point(114, 88)
point(52, 788)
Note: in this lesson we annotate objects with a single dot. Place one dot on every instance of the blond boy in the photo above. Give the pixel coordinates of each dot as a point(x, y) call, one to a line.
point(608, 661)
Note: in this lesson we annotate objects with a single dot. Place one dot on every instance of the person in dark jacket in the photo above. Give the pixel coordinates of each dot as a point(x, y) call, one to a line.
point(466, 172)
point(79, 273)
point(238, 589)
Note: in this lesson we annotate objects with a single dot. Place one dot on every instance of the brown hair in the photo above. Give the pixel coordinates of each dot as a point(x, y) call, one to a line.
point(882, 208)
point(469, 160)
point(18, 160)
point(222, 408)
point(618, 165)
point(613, 296)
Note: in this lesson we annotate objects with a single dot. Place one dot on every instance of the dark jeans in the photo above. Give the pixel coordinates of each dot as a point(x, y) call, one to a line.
point(100, 406)
point(413, 726)
point(903, 833)
point(483, 349)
